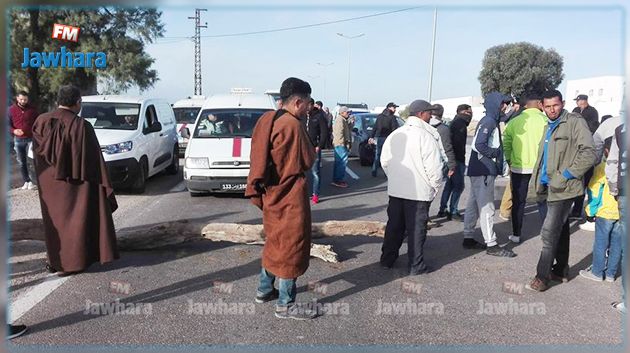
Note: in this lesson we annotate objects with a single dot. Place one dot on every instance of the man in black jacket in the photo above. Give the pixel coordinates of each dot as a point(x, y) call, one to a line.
point(591, 116)
point(385, 123)
point(317, 129)
point(454, 186)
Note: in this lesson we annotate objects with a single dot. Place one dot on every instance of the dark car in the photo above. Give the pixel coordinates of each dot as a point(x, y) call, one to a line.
point(361, 132)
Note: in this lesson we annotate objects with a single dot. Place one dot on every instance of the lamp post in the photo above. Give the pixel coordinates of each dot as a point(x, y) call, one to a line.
point(324, 65)
point(432, 54)
point(349, 38)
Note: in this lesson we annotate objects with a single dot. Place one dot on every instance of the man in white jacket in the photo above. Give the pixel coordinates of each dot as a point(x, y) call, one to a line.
point(412, 161)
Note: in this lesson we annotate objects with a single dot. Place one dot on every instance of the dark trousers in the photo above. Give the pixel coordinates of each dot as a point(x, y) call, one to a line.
point(453, 189)
point(406, 218)
point(578, 206)
point(555, 238)
point(520, 184)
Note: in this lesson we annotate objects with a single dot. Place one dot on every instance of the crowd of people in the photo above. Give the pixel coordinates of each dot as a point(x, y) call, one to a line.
point(553, 157)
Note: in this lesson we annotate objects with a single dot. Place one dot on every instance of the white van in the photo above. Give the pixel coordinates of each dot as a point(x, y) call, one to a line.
point(186, 111)
point(217, 156)
point(137, 137)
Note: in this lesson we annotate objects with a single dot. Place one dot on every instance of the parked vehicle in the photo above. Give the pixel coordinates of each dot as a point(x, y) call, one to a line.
point(217, 156)
point(137, 136)
point(361, 132)
point(186, 111)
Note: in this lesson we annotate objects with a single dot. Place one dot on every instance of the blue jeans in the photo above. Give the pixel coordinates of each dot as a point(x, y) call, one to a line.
point(341, 161)
point(314, 175)
point(21, 149)
point(377, 155)
point(608, 236)
point(453, 189)
point(286, 287)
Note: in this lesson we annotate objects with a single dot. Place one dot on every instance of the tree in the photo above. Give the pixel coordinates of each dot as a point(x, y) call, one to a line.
point(515, 68)
point(120, 32)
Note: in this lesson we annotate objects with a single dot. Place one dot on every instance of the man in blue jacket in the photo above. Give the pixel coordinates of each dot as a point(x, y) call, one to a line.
point(485, 163)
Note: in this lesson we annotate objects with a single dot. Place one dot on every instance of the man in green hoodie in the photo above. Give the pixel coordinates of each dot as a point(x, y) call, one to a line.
point(565, 154)
point(520, 144)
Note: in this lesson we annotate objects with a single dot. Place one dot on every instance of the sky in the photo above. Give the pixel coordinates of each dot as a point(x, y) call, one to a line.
point(391, 61)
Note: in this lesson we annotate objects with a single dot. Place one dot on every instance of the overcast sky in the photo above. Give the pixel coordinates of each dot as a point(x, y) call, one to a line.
point(391, 61)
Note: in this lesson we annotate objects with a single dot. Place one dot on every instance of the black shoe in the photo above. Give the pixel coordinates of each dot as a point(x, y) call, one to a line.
point(473, 244)
point(273, 295)
point(500, 252)
point(386, 266)
point(448, 216)
point(50, 269)
point(442, 213)
point(427, 269)
point(16, 331)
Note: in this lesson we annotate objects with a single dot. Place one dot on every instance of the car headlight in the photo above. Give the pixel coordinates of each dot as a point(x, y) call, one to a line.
point(197, 163)
point(118, 147)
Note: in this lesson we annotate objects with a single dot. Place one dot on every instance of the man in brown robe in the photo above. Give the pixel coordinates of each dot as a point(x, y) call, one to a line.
point(76, 196)
point(281, 153)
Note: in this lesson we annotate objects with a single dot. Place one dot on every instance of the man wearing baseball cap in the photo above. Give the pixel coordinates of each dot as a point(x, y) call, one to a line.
point(412, 159)
point(385, 124)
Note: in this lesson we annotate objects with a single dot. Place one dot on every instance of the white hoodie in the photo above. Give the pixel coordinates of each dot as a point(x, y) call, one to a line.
point(411, 157)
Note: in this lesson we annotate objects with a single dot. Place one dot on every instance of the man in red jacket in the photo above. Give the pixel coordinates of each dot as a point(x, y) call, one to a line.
point(21, 118)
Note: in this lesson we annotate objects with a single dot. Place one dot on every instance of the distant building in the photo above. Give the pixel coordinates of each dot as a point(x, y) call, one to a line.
point(450, 106)
point(605, 93)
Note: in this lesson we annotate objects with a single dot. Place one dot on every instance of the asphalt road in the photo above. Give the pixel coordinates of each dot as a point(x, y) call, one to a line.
point(201, 293)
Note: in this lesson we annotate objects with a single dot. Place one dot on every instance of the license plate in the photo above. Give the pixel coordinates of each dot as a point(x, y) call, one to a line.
point(233, 186)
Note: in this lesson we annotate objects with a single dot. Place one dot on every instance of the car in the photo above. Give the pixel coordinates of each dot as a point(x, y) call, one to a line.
point(361, 132)
point(217, 156)
point(137, 137)
point(186, 111)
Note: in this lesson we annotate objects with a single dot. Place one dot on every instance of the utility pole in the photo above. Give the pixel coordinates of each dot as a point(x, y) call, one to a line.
point(197, 40)
point(432, 54)
point(349, 38)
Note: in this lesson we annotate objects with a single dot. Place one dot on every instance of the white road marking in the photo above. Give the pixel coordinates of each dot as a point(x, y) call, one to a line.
point(179, 187)
point(24, 258)
point(352, 174)
point(33, 296)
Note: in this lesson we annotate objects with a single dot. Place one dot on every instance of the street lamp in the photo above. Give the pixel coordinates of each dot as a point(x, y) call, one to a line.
point(324, 65)
point(349, 49)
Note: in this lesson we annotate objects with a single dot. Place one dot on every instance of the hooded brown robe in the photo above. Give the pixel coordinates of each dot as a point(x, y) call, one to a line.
point(76, 196)
point(280, 155)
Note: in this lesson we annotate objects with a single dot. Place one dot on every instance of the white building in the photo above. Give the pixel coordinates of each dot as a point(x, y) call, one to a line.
point(605, 93)
point(450, 106)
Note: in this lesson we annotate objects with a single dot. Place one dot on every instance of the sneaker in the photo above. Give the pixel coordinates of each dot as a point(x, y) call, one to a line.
point(619, 306)
point(441, 214)
point(504, 217)
point(500, 252)
point(315, 199)
point(273, 295)
point(25, 186)
point(610, 279)
point(431, 224)
point(588, 226)
point(514, 239)
point(560, 279)
point(339, 184)
point(590, 275)
point(31, 186)
point(537, 285)
point(16, 331)
point(457, 216)
point(470, 243)
point(448, 216)
point(427, 269)
point(296, 312)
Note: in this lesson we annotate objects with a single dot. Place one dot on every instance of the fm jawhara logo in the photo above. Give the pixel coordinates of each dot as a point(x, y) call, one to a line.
point(64, 58)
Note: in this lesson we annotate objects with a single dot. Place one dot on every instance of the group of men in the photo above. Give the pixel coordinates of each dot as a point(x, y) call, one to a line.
point(548, 155)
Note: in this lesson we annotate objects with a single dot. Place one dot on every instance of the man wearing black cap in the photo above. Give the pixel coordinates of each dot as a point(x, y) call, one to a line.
point(412, 160)
point(591, 116)
point(385, 124)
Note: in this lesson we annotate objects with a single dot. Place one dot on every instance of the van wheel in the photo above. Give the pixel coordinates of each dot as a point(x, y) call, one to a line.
point(139, 185)
point(174, 167)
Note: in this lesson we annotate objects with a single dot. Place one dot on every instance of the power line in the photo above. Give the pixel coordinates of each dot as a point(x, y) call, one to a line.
point(303, 26)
